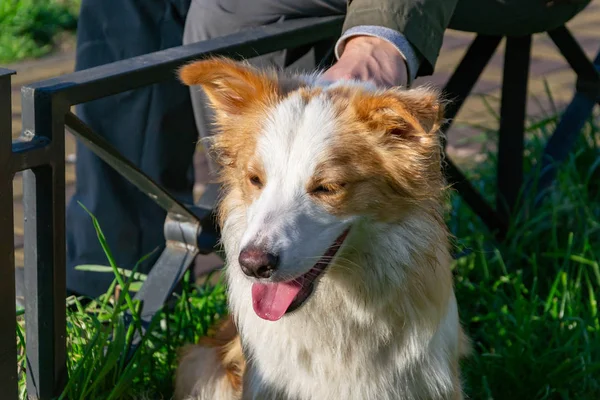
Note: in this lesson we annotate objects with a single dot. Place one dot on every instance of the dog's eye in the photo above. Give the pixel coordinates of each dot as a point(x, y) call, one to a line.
point(255, 181)
point(327, 188)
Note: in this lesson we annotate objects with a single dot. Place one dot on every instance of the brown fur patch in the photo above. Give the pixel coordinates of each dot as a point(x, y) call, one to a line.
point(229, 350)
point(387, 156)
point(230, 85)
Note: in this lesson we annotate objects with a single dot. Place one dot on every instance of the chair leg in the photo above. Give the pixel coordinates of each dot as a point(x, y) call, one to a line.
point(573, 119)
point(562, 141)
point(512, 123)
point(457, 89)
point(467, 73)
point(580, 108)
point(575, 56)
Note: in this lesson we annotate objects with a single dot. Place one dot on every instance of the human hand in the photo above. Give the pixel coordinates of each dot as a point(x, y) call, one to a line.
point(368, 58)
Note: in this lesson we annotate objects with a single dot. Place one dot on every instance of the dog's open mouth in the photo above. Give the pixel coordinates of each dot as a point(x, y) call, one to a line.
point(272, 300)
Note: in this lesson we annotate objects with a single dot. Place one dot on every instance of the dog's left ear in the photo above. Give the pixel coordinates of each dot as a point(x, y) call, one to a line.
point(406, 114)
point(232, 87)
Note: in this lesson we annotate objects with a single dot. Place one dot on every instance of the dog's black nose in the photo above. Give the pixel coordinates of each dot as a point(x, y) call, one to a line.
point(258, 263)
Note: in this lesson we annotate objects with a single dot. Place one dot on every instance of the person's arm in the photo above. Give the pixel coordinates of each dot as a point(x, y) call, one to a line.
point(389, 42)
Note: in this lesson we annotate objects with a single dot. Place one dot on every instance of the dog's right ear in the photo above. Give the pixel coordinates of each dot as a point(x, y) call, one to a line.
point(232, 87)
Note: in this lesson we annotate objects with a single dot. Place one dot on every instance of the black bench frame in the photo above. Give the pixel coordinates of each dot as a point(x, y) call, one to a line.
point(511, 182)
point(39, 152)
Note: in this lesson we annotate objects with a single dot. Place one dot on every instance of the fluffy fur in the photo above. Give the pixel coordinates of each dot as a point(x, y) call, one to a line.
point(302, 161)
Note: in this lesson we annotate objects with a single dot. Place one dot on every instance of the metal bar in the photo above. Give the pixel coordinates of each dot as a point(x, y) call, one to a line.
point(512, 123)
point(126, 168)
point(565, 136)
point(574, 54)
point(181, 248)
point(117, 77)
point(571, 123)
point(462, 81)
point(8, 338)
point(563, 140)
point(29, 153)
point(184, 240)
point(458, 87)
point(175, 260)
point(45, 291)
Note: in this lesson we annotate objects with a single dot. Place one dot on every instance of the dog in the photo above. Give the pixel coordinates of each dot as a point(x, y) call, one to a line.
point(337, 255)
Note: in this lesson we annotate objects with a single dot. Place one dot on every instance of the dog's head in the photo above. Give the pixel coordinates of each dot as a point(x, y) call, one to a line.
point(302, 164)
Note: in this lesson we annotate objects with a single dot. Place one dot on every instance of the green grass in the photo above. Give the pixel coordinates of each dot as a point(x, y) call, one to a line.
point(97, 338)
point(529, 304)
point(29, 28)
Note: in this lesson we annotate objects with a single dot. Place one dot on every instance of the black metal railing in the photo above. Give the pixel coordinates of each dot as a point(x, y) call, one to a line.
point(8, 327)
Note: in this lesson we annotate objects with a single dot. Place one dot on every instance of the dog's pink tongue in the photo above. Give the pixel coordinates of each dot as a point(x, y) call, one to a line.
point(271, 300)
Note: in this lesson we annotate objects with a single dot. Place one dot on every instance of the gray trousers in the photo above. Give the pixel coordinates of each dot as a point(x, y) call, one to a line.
point(154, 126)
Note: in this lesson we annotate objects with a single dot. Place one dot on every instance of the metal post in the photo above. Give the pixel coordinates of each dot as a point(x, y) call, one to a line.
point(8, 339)
point(466, 74)
point(587, 95)
point(457, 89)
point(44, 204)
point(512, 123)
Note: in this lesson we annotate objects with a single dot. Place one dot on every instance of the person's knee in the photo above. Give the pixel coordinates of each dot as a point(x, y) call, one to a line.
point(207, 20)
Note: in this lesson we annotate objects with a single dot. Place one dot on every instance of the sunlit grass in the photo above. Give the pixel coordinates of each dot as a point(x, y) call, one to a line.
point(530, 303)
